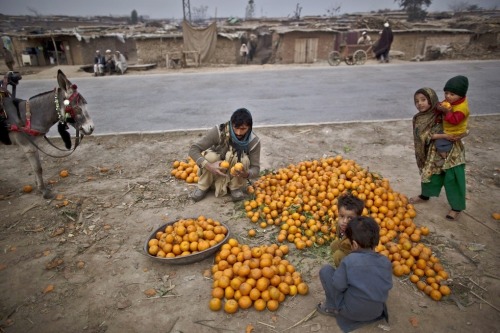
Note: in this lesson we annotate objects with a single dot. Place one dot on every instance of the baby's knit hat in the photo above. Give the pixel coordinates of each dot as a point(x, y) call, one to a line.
point(457, 85)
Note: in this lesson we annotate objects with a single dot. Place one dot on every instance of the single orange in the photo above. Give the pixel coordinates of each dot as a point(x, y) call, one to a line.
point(444, 290)
point(231, 306)
point(260, 304)
point(215, 304)
point(245, 302)
point(27, 188)
point(435, 295)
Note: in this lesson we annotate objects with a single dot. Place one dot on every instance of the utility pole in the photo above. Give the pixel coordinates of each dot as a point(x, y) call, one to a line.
point(186, 10)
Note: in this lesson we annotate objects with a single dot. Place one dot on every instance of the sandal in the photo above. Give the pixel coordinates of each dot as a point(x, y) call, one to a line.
point(453, 215)
point(416, 200)
point(325, 311)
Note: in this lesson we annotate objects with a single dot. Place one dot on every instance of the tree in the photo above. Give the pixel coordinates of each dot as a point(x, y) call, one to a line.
point(414, 8)
point(298, 10)
point(134, 17)
point(200, 13)
point(250, 10)
point(463, 6)
point(332, 10)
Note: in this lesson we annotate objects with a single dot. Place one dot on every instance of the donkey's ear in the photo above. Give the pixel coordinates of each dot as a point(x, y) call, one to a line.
point(63, 81)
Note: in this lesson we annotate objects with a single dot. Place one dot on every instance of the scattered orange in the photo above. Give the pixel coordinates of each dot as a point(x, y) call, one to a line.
point(444, 290)
point(231, 306)
point(215, 304)
point(260, 304)
point(64, 173)
point(302, 288)
point(27, 188)
point(245, 302)
point(272, 305)
point(435, 295)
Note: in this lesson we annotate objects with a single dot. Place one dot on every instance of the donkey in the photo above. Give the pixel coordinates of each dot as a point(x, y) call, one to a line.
point(29, 120)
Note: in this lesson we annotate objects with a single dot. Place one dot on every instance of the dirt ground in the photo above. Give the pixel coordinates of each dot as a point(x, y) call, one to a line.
point(119, 190)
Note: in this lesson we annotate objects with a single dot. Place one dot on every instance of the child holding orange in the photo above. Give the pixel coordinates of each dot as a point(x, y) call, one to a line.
point(455, 111)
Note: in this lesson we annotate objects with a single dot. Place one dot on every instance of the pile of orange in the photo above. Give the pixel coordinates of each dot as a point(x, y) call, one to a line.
point(187, 171)
point(418, 261)
point(302, 199)
point(187, 236)
point(258, 276)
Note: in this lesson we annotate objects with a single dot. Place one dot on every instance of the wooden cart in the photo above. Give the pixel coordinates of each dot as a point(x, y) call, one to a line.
point(356, 54)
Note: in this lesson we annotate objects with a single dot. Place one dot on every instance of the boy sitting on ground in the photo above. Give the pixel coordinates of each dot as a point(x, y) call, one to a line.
point(349, 207)
point(356, 292)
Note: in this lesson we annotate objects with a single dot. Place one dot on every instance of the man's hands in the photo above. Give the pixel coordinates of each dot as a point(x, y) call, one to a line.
point(215, 168)
point(242, 173)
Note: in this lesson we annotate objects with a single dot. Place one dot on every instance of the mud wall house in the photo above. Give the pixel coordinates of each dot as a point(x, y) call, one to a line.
point(415, 42)
point(65, 48)
point(153, 48)
point(227, 50)
point(46, 49)
point(301, 45)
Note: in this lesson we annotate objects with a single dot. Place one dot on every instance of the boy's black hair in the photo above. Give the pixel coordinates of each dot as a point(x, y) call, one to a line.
point(364, 230)
point(241, 117)
point(351, 203)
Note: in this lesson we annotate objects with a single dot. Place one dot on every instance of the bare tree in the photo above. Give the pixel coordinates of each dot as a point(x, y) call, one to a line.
point(296, 13)
point(463, 6)
point(332, 10)
point(33, 10)
point(250, 10)
point(200, 13)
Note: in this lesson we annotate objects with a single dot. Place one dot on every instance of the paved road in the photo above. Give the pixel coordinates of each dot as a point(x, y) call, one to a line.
point(284, 96)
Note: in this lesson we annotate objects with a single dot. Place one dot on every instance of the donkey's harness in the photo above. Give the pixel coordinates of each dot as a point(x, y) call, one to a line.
point(64, 115)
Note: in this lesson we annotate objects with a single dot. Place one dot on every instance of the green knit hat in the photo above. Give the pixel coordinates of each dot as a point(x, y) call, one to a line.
point(457, 85)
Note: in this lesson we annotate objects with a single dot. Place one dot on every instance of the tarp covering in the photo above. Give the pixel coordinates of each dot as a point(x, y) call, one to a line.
point(202, 40)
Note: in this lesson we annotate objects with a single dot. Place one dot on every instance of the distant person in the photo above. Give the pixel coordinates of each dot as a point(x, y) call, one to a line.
point(120, 63)
point(110, 62)
point(252, 47)
point(383, 45)
point(233, 142)
point(357, 290)
point(364, 39)
point(9, 59)
point(244, 53)
point(99, 63)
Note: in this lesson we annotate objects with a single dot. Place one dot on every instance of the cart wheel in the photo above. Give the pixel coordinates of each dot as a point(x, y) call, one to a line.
point(334, 58)
point(349, 60)
point(359, 57)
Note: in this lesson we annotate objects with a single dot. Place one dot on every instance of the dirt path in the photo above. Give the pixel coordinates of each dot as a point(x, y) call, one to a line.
point(120, 189)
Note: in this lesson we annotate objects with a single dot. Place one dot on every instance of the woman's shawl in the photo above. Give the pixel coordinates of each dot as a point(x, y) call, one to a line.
point(424, 125)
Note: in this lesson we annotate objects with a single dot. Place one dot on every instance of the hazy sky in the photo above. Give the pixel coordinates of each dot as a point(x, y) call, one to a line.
point(221, 8)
